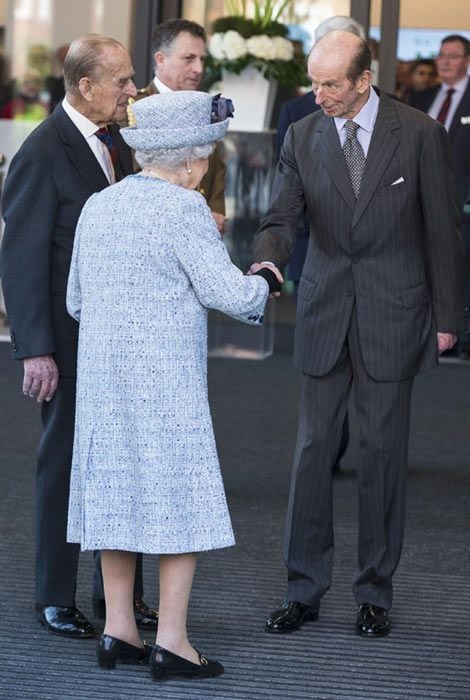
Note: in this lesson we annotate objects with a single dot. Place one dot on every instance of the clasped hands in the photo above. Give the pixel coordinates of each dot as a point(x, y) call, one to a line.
point(270, 266)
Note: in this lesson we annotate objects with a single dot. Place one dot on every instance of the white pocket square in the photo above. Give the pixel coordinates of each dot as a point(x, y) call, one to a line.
point(397, 182)
point(465, 120)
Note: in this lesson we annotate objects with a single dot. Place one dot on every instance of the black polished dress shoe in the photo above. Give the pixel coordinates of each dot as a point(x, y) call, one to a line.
point(372, 621)
point(290, 617)
point(164, 664)
point(69, 622)
point(144, 616)
point(110, 649)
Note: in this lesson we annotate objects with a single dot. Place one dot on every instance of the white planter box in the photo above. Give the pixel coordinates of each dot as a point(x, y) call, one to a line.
point(253, 99)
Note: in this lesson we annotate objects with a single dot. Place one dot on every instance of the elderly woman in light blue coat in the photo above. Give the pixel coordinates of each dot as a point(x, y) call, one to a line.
point(148, 262)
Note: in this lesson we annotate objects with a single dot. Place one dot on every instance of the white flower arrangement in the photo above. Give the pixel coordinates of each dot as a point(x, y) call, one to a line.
point(261, 42)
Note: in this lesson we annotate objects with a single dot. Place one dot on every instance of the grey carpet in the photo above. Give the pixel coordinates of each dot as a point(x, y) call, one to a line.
point(254, 406)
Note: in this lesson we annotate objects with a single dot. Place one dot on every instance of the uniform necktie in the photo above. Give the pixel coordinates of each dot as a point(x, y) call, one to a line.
point(444, 111)
point(354, 155)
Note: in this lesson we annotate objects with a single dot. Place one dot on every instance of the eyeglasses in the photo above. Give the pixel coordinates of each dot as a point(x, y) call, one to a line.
point(450, 56)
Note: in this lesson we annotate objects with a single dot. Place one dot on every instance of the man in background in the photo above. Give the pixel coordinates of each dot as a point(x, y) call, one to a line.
point(449, 104)
point(179, 51)
point(70, 156)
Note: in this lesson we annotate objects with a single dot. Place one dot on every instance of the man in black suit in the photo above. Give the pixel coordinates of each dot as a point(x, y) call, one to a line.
point(59, 166)
point(291, 112)
point(449, 103)
point(380, 296)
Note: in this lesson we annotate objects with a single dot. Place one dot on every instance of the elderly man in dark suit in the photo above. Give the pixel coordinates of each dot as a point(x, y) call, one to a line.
point(179, 51)
point(291, 112)
point(61, 164)
point(449, 104)
point(380, 297)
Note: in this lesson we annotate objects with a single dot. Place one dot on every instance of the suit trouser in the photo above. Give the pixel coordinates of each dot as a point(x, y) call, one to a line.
point(56, 559)
point(383, 411)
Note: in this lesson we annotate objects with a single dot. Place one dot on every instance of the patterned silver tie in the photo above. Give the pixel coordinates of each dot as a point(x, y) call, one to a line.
point(355, 158)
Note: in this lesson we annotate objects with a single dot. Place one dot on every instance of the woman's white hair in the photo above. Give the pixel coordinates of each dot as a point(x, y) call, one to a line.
point(172, 157)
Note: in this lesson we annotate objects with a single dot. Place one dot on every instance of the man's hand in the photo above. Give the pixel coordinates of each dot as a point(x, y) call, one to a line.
point(40, 377)
point(446, 341)
point(220, 221)
point(271, 266)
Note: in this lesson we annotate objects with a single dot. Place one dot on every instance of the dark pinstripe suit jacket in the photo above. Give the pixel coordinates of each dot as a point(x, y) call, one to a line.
point(396, 253)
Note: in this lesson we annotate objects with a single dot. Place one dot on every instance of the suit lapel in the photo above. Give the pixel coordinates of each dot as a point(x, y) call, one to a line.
point(383, 144)
point(79, 152)
point(334, 161)
point(463, 110)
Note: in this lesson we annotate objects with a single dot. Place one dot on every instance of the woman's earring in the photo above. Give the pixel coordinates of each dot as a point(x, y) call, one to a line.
point(188, 170)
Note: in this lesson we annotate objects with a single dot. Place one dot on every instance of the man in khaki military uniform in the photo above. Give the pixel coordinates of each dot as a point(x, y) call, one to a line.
point(179, 50)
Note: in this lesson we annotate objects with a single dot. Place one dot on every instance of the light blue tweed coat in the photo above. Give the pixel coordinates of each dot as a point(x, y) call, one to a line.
point(147, 264)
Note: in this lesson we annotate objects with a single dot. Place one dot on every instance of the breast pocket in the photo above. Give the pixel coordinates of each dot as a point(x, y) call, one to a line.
point(391, 190)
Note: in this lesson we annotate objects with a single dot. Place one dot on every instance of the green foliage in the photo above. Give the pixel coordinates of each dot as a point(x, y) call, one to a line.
point(247, 27)
point(266, 12)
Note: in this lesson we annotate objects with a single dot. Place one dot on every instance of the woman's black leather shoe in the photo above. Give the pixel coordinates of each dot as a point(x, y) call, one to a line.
point(144, 616)
point(66, 621)
point(110, 649)
point(164, 664)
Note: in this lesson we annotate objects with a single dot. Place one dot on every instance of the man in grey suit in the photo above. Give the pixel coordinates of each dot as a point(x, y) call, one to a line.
point(61, 164)
point(380, 296)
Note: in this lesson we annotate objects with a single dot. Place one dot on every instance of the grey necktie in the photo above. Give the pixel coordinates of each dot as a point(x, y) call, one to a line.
point(355, 158)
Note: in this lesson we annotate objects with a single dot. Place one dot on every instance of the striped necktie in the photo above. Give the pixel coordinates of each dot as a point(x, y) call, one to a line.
point(444, 110)
point(106, 138)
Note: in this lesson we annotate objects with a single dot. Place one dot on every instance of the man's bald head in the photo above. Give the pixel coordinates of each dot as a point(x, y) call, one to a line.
point(342, 48)
point(339, 67)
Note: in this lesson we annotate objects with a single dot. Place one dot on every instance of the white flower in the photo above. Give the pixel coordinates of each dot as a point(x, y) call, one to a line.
point(233, 45)
point(284, 48)
point(261, 47)
point(216, 46)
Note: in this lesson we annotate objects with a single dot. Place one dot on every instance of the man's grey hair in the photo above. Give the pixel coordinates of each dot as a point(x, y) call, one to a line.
point(172, 157)
point(342, 22)
point(84, 59)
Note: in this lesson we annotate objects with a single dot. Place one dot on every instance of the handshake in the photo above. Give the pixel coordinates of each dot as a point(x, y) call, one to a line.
point(271, 274)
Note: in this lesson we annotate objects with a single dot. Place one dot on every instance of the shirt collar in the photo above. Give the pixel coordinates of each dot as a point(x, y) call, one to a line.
point(461, 86)
point(366, 116)
point(161, 87)
point(86, 127)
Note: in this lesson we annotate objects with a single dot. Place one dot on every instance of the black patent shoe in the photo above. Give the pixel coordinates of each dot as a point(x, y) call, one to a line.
point(290, 617)
point(372, 621)
point(144, 616)
point(110, 649)
point(66, 621)
point(164, 665)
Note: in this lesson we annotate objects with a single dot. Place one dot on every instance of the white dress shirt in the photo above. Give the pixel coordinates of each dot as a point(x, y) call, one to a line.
point(365, 118)
point(161, 87)
point(87, 129)
point(435, 108)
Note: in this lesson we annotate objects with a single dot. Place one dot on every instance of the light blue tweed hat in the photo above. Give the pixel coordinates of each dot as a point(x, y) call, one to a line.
point(177, 120)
